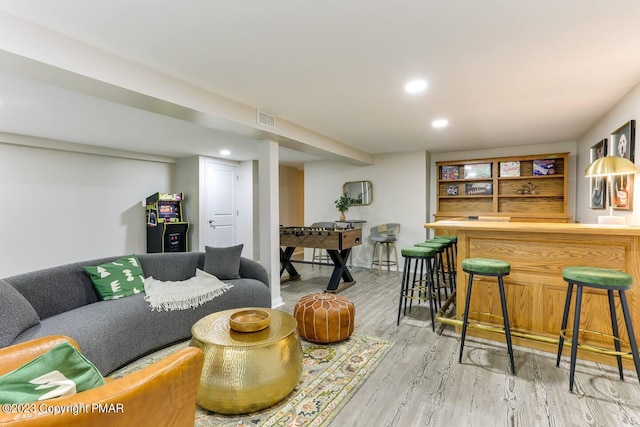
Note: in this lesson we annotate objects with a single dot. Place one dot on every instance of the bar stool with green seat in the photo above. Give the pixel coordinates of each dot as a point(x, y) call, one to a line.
point(410, 287)
point(494, 268)
point(454, 245)
point(438, 266)
point(598, 278)
point(452, 249)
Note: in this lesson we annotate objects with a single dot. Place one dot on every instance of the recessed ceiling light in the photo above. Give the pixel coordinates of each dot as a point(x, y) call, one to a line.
point(440, 123)
point(225, 152)
point(416, 86)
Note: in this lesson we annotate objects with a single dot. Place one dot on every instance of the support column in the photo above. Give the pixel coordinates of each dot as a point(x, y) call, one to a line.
point(269, 220)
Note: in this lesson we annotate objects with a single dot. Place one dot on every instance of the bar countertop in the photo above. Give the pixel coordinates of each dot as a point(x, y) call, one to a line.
point(535, 227)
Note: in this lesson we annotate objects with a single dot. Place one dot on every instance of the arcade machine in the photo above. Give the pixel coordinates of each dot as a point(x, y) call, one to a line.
point(166, 228)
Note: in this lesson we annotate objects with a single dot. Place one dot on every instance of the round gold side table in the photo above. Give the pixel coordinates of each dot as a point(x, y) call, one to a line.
point(247, 371)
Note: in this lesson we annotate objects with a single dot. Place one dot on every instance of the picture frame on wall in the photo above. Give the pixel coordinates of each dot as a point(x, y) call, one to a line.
point(623, 141)
point(598, 185)
point(622, 197)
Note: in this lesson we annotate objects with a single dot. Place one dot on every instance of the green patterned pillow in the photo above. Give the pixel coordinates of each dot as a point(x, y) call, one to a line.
point(117, 279)
point(61, 371)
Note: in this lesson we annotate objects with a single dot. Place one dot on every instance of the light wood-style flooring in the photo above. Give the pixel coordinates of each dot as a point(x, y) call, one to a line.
point(420, 383)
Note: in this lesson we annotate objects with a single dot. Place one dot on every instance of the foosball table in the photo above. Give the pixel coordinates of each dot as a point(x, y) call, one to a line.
point(336, 241)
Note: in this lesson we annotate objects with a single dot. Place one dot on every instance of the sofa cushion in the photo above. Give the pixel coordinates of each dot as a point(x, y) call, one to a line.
point(120, 278)
point(63, 366)
point(224, 263)
point(171, 265)
point(16, 314)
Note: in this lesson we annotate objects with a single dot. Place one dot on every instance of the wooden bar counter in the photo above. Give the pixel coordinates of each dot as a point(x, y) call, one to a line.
point(535, 289)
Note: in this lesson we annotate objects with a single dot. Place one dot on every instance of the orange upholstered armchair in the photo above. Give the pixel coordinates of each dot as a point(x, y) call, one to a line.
point(161, 394)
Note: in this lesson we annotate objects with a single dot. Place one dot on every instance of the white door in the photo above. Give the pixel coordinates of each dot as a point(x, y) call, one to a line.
point(222, 205)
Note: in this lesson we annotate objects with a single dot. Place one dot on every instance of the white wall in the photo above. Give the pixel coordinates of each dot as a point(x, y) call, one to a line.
point(399, 195)
point(248, 219)
point(189, 180)
point(64, 206)
point(627, 109)
point(60, 207)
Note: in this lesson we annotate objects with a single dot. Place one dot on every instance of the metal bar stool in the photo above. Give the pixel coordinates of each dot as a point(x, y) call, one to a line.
point(384, 235)
point(410, 287)
point(452, 245)
point(598, 278)
point(438, 267)
point(494, 268)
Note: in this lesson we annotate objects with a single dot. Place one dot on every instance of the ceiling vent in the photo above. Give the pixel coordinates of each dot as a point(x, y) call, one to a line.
point(266, 119)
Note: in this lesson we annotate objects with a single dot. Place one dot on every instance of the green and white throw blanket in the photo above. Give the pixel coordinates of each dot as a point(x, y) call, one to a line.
point(185, 294)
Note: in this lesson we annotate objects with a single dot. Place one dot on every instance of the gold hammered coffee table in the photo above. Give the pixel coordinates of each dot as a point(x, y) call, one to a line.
point(247, 371)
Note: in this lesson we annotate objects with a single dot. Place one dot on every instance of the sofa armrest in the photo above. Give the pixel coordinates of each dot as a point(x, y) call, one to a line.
point(16, 355)
point(251, 269)
point(161, 394)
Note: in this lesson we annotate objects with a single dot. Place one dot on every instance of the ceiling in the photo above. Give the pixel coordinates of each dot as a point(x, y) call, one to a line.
point(503, 73)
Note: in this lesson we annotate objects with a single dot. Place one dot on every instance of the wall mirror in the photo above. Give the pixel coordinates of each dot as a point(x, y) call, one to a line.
point(357, 189)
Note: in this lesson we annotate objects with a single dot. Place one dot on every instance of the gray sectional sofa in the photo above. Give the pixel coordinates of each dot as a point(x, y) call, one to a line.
point(62, 300)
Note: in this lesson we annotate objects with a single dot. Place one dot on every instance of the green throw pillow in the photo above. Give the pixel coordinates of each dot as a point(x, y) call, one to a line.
point(61, 371)
point(117, 279)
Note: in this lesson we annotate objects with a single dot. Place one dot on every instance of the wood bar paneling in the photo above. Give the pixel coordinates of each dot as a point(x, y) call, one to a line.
point(535, 289)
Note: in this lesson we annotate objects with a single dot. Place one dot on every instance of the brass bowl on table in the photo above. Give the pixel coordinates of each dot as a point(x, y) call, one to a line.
point(249, 320)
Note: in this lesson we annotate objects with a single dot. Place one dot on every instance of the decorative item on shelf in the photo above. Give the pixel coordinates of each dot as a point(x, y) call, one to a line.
point(527, 188)
point(544, 167)
point(449, 172)
point(479, 189)
point(619, 172)
point(511, 168)
point(344, 202)
point(452, 190)
point(477, 170)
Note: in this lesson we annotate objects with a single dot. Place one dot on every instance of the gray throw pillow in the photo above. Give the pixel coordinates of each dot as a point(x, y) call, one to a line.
point(224, 263)
point(16, 314)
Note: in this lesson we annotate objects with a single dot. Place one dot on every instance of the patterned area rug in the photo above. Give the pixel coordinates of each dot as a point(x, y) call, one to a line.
point(331, 374)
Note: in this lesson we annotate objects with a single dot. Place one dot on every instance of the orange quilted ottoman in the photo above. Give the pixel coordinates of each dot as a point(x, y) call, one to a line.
point(324, 318)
